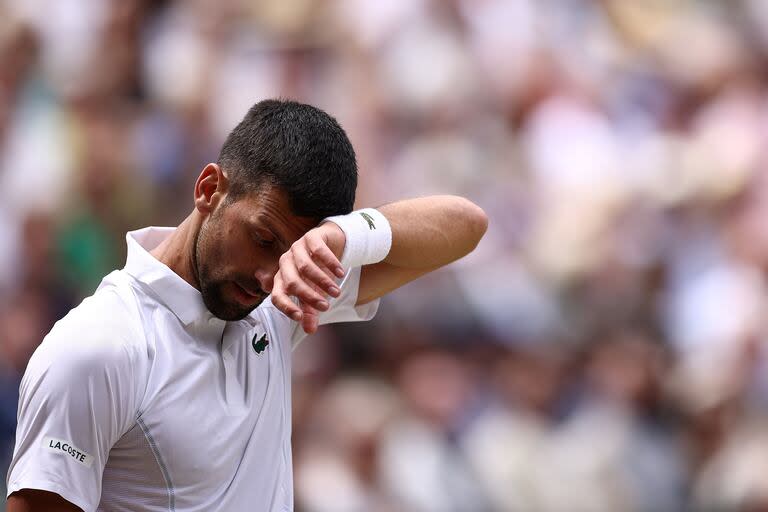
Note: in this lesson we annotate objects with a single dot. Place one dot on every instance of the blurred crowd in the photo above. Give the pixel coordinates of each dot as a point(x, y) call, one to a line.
point(604, 349)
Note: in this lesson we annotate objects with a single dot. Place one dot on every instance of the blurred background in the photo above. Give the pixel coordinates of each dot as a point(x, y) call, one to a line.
point(604, 349)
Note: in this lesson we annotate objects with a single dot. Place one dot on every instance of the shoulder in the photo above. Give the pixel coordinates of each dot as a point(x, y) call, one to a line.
point(102, 334)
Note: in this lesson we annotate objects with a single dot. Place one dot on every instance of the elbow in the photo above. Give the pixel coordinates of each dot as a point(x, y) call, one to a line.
point(476, 222)
point(479, 225)
point(480, 222)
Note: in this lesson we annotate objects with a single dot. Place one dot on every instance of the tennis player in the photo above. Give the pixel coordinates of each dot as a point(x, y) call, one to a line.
point(169, 389)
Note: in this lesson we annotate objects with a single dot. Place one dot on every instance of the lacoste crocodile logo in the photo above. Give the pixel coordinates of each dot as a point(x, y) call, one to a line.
point(261, 344)
point(368, 219)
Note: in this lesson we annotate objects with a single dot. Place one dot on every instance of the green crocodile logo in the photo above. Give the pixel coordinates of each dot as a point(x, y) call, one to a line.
point(369, 220)
point(261, 344)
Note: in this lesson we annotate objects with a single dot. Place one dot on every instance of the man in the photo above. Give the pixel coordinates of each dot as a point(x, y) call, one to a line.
point(169, 388)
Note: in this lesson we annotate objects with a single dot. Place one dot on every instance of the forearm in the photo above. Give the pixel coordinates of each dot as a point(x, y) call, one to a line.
point(427, 233)
point(430, 232)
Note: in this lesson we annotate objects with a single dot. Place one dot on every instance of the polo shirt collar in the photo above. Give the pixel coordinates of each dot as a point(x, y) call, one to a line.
point(183, 299)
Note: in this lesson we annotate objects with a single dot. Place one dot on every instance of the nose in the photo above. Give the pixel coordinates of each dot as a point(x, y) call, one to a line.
point(266, 278)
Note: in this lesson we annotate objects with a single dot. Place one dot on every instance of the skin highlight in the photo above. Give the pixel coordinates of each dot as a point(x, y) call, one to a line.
point(237, 250)
point(230, 249)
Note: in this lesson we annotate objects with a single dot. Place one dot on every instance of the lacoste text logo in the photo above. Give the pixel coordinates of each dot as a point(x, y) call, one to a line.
point(66, 448)
point(261, 344)
point(368, 219)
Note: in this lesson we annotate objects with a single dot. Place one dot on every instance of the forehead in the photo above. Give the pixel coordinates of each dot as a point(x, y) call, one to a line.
point(269, 208)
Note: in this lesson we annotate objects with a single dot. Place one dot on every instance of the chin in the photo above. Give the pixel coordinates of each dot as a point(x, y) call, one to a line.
point(232, 314)
point(225, 303)
point(230, 311)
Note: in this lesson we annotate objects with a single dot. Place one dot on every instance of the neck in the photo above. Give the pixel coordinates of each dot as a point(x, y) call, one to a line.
point(177, 251)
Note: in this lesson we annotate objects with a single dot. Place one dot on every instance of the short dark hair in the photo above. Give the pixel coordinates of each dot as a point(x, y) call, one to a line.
point(298, 148)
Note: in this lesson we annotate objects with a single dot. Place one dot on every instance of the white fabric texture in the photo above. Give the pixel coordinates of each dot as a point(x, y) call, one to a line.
point(177, 409)
point(369, 237)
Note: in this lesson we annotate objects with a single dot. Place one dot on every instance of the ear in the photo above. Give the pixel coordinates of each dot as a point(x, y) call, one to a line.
point(210, 188)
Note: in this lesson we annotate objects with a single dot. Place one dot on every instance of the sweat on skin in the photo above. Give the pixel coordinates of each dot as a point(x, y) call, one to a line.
point(169, 349)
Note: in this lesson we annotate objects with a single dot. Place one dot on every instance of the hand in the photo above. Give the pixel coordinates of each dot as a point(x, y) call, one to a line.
point(307, 271)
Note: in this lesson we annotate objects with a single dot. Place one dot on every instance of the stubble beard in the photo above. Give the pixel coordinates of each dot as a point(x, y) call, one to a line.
point(212, 290)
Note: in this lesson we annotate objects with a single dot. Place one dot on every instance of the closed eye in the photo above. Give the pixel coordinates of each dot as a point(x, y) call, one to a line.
point(262, 242)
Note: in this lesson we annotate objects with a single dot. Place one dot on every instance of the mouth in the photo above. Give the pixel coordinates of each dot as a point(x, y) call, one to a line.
point(248, 295)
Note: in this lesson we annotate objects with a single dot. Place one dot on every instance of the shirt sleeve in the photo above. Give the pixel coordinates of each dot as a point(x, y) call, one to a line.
point(77, 398)
point(343, 308)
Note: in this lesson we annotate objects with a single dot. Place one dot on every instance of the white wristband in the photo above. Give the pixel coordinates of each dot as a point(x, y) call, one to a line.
point(369, 237)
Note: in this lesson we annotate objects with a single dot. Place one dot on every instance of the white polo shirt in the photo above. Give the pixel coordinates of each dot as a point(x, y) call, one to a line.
point(140, 399)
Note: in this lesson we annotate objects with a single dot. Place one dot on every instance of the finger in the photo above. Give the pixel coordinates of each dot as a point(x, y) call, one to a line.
point(310, 271)
point(322, 254)
point(310, 320)
point(295, 285)
point(282, 300)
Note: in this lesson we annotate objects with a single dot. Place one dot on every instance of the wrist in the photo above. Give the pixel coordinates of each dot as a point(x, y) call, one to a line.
point(367, 236)
point(334, 237)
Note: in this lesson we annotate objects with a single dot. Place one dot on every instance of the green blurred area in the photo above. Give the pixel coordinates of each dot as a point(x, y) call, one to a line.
point(604, 347)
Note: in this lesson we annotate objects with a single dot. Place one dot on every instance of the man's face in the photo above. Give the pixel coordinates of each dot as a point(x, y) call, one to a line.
point(238, 248)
